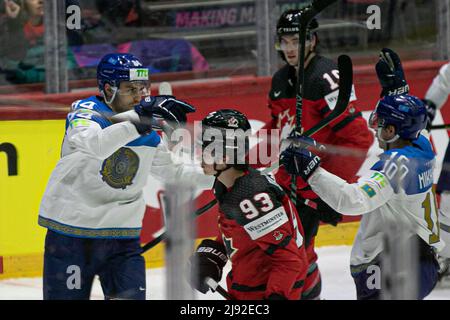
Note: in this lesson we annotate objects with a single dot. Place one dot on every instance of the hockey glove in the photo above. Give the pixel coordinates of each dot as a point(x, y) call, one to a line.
point(207, 261)
point(303, 141)
point(323, 211)
point(390, 74)
point(145, 112)
point(299, 161)
point(431, 112)
point(171, 110)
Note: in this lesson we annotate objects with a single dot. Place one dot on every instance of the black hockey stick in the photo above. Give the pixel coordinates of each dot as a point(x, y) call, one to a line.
point(307, 15)
point(345, 89)
point(441, 126)
point(162, 236)
point(214, 286)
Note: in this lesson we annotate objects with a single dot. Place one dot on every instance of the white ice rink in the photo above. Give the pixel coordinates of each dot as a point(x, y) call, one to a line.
point(337, 283)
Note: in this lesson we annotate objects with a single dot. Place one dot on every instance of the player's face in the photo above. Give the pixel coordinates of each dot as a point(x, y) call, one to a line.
point(129, 95)
point(209, 163)
point(210, 169)
point(289, 46)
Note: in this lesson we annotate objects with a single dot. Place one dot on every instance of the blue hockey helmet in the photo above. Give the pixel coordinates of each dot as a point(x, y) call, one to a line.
point(117, 67)
point(405, 112)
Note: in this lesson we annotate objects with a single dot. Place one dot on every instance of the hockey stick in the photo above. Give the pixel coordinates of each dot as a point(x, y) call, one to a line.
point(441, 126)
point(162, 233)
point(305, 18)
point(214, 286)
point(345, 89)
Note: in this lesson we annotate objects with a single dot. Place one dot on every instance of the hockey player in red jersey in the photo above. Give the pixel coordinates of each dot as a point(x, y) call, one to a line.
point(350, 130)
point(260, 230)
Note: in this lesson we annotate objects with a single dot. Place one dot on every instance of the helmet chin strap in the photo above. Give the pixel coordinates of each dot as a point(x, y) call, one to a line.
point(115, 89)
point(308, 54)
point(219, 172)
point(387, 142)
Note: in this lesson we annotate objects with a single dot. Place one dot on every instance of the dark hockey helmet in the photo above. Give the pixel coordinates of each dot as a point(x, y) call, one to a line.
point(229, 130)
point(289, 23)
point(405, 112)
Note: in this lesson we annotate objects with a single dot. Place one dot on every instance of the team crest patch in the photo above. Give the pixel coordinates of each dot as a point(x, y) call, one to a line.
point(278, 235)
point(119, 170)
point(233, 122)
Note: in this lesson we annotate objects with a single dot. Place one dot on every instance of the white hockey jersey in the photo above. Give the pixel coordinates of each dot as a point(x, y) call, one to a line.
point(96, 189)
point(399, 188)
point(440, 88)
point(438, 93)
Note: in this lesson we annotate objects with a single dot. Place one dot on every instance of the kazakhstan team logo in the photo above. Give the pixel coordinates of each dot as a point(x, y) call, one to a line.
point(119, 170)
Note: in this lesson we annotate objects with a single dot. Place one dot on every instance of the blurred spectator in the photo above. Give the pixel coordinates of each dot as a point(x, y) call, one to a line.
point(23, 59)
point(103, 20)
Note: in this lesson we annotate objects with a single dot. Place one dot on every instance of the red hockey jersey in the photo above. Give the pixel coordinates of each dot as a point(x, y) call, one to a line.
point(349, 131)
point(263, 237)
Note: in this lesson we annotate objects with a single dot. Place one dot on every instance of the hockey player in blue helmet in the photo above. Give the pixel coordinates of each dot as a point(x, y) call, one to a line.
point(122, 76)
point(398, 119)
point(93, 205)
point(399, 187)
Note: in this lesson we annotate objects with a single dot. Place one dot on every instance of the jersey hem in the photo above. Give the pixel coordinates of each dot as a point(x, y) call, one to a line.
point(78, 232)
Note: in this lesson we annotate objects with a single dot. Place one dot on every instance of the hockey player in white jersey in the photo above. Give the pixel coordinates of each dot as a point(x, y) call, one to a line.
point(435, 98)
point(398, 186)
point(93, 205)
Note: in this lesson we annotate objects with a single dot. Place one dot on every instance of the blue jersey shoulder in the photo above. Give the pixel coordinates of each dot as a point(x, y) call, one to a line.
point(409, 168)
point(92, 109)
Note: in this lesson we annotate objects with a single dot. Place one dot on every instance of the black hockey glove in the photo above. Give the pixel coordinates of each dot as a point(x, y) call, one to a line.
point(145, 112)
point(207, 261)
point(164, 108)
point(300, 141)
point(171, 110)
point(299, 161)
point(431, 112)
point(326, 213)
point(390, 74)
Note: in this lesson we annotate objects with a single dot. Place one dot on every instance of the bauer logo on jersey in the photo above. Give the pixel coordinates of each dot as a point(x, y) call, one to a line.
point(138, 74)
point(332, 98)
point(267, 223)
point(119, 170)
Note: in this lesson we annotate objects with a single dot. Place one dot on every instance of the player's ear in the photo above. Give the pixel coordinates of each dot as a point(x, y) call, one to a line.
point(108, 89)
